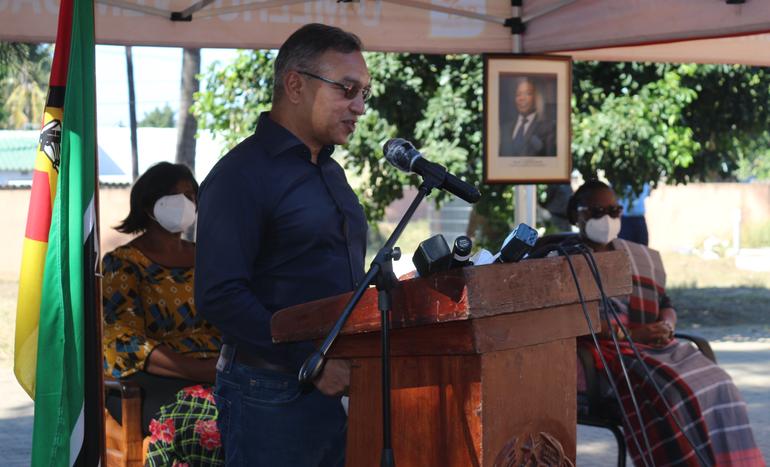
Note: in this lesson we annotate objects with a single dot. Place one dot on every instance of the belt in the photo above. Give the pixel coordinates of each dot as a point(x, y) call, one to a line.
point(255, 361)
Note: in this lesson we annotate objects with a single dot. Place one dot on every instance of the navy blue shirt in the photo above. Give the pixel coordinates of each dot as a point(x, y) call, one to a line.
point(274, 230)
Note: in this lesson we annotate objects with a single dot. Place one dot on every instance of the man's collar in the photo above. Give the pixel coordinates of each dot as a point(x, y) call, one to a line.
point(529, 117)
point(279, 140)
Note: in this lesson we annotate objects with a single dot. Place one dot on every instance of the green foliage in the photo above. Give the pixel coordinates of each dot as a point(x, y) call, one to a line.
point(634, 137)
point(716, 127)
point(159, 118)
point(639, 123)
point(236, 95)
point(24, 71)
point(755, 165)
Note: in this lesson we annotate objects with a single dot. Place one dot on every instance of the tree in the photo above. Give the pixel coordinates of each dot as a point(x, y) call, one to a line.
point(188, 124)
point(713, 120)
point(636, 122)
point(159, 117)
point(132, 113)
point(24, 71)
point(635, 135)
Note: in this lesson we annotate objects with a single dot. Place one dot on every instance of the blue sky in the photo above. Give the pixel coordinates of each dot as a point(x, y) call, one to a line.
point(157, 76)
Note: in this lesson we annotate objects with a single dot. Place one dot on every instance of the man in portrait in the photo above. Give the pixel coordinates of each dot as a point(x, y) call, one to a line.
point(530, 132)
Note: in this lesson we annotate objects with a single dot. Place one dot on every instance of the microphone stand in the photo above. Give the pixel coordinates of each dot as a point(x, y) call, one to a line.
point(381, 274)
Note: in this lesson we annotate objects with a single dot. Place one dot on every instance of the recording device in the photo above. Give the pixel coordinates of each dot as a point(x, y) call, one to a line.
point(461, 252)
point(432, 255)
point(517, 244)
point(402, 154)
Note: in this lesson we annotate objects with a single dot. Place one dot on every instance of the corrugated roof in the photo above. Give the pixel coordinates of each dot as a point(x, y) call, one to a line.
point(18, 149)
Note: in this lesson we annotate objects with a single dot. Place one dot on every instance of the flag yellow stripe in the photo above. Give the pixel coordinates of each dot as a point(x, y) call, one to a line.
point(28, 313)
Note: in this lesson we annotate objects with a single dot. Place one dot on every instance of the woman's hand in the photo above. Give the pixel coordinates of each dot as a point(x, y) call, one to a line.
point(657, 334)
point(164, 361)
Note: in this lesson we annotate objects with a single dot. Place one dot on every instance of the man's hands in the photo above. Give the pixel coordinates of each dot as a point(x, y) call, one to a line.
point(335, 378)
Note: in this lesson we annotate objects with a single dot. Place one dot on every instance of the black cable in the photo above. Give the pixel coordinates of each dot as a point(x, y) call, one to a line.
point(588, 255)
point(606, 305)
point(601, 356)
point(591, 261)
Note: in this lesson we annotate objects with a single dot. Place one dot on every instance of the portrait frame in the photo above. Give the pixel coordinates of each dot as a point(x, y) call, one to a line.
point(527, 130)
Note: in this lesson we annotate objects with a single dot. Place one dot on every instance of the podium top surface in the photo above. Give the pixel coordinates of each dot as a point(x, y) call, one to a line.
point(462, 294)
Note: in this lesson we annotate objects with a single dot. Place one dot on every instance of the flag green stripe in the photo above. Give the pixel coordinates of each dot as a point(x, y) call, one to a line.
point(60, 366)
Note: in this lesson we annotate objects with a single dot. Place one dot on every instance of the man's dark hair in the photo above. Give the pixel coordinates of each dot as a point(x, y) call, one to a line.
point(578, 198)
point(157, 182)
point(302, 49)
point(525, 79)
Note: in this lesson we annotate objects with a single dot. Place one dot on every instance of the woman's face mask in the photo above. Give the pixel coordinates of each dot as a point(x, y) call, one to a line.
point(602, 230)
point(175, 213)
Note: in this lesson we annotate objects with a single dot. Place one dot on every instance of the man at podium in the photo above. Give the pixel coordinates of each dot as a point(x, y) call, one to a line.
point(278, 225)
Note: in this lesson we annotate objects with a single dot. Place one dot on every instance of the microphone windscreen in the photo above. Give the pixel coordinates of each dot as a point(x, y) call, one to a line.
point(396, 152)
point(432, 255)
point(482, 257)
point(462, 248)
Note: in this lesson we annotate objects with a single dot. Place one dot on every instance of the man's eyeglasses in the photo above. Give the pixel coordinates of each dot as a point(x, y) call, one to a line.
point(601, 211)
point(350, 90)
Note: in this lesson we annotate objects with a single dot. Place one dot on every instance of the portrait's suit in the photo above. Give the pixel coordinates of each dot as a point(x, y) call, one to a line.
point(538, 140)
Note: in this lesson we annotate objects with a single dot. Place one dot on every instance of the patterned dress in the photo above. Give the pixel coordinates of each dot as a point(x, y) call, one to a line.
point(146, 305)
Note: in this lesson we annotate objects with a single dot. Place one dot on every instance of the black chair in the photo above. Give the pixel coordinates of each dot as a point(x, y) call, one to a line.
point(603, 412)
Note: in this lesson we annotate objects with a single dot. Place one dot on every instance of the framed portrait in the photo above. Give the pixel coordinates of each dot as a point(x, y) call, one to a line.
point(527, 118)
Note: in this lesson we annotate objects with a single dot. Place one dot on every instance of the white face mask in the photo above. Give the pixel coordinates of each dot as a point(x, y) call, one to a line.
point(603, 230)
point(175, 213)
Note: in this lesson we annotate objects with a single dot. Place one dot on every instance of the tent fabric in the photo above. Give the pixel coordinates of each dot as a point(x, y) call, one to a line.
point(657, 30)
point(745, 50)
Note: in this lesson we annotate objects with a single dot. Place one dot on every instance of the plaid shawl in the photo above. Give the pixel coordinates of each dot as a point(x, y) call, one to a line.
point(701, 396)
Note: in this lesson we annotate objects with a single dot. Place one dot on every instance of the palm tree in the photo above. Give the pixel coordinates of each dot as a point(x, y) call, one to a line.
point(24, 70)
point(12, 53)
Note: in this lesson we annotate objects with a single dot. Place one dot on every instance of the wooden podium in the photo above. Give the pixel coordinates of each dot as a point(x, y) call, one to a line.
point(483, 360)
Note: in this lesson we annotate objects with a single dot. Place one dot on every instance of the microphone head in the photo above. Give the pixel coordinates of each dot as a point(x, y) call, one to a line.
point(400, 153)
point(518, 243)
point(432, 255)
point(462, 248)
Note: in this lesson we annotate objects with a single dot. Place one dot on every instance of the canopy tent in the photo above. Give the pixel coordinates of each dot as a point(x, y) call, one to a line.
point(708, 31)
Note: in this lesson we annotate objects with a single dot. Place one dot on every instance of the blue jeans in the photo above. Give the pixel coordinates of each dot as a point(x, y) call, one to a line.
point(265, 419)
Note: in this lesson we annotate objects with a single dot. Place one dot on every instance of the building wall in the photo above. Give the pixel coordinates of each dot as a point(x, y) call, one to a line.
point(114, 204)
point(682, 217)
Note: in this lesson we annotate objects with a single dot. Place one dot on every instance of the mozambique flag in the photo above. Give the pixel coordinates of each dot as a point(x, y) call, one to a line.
point(57, 346)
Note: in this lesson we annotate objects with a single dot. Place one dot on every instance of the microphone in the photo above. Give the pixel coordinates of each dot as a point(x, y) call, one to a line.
point(517, 244)
point(461, 252)
point(402, 154)
point(432, 255)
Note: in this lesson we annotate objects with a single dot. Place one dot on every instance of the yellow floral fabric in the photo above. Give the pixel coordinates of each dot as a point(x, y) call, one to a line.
point(146, 305)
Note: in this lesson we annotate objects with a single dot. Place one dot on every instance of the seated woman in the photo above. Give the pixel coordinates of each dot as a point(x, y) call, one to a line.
point(152, 333)
point(701, 395)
